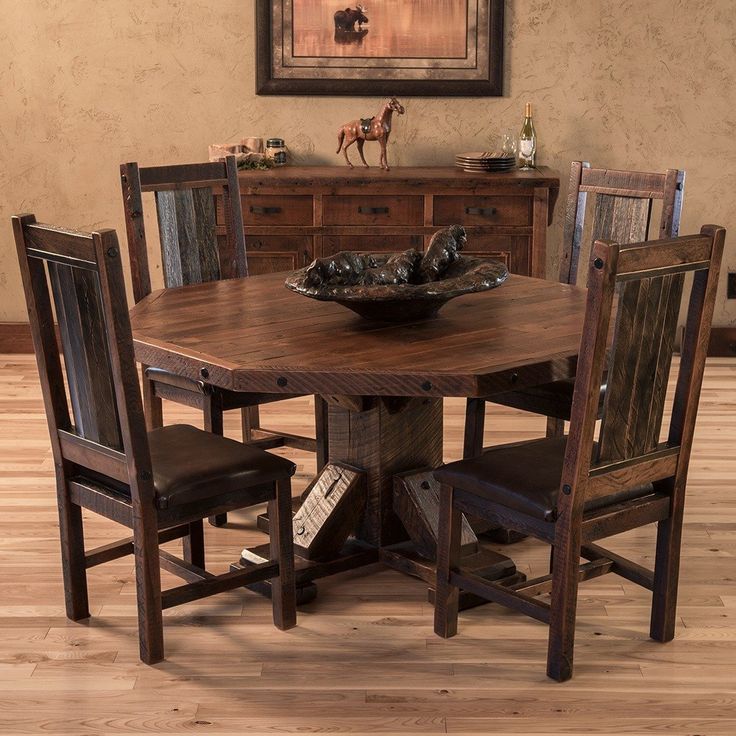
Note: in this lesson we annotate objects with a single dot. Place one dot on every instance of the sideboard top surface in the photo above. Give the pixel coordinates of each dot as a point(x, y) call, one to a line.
point(411, 176)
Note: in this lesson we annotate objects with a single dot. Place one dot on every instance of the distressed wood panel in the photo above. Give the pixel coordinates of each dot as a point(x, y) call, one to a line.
point(86, 354)
point(187, 229)
point(639, 368)
point(622, 219)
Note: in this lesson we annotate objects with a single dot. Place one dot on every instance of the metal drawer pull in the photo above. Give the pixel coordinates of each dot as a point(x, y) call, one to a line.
point(373, 210)
point(487, 211)
point(265, 210)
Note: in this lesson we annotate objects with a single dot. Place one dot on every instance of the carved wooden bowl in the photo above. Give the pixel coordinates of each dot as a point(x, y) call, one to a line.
point(406, 302)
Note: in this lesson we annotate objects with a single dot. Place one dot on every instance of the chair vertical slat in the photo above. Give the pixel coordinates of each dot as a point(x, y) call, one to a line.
point(187, 237)
point(650, 352)
point(661, 367)
point(621, 372)
point(169, 235)
point(203, 201)
point(86, 355)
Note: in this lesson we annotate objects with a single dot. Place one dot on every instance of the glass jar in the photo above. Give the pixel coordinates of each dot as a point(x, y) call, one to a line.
point(276, 151)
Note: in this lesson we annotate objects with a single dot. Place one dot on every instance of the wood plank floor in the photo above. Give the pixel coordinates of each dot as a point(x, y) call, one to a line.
point(363, 658)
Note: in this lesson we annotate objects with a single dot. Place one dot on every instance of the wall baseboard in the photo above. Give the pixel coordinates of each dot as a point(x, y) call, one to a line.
point(722, 342)
point(15, 337)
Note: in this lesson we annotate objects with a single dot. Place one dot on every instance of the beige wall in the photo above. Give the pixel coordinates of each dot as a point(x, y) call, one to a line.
point(86, 84)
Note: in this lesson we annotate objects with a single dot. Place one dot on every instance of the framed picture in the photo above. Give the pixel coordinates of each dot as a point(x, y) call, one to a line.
point(379, 47)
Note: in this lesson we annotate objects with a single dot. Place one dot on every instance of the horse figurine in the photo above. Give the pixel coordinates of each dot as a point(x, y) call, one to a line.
point(377, 128)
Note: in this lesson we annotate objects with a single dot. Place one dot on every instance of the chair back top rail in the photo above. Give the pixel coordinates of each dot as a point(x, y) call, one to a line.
point(650, 279)
point(191, 250)
point(185, 176)
point(99, 425)
point(622, 210)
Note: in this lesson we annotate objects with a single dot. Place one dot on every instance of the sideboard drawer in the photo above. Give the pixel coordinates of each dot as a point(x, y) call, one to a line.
point(513, 250)
point(271, 253)
point(332, 244)
point(372, 210)
point(473, 210)
point(277, 209)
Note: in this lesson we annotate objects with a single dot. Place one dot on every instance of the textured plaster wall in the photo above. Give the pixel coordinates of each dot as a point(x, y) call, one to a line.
point(86, 84)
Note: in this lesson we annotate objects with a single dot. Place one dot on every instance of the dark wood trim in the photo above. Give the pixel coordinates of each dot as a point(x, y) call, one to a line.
point(15, 338)
point(722, 343)
point(492, 86)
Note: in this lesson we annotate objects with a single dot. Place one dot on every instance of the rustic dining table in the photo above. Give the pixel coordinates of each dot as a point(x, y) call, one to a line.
point(374, 498)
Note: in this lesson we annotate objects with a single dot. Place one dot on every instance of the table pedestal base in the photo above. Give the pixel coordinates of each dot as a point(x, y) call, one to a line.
point(375, 447)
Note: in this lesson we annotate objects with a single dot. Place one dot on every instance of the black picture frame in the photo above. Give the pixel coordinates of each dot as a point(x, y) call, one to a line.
point(488, 84)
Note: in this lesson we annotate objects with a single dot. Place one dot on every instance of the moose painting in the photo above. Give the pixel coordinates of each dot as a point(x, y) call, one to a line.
point(379, 47)
point(345, 20)
point(435, 29)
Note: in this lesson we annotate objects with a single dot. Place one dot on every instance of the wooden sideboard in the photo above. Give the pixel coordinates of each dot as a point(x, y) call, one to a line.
point(297, 213)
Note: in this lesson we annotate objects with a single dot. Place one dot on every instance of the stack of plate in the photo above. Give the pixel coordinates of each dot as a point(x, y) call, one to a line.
point(485, 161)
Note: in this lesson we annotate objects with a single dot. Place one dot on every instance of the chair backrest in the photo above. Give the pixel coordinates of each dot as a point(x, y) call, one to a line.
point(649, 279)
point(192, 249)
point(622, 209)
point(79, 278)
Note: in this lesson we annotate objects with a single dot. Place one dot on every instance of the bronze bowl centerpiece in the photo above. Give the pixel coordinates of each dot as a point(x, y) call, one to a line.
point(399, 287)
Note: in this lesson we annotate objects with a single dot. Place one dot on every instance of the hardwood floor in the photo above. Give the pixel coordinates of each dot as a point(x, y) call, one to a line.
point(363, 658)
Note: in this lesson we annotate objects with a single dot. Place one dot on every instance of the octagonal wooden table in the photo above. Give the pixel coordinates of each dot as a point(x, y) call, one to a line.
point(384, 384)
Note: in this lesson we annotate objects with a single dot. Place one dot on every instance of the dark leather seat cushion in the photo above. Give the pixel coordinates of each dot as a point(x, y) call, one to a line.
point(190, 465)
point(550, 399)
point(524, 477)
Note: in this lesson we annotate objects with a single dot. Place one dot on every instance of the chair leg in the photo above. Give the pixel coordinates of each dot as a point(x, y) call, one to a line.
point(446, 597)
point(152, 405)
point(250, 419)
point(666, 574)
point(321, 431)
point(193, 544)
point(565, 575)
point(555, 427)
point(148, 592)
point(475, 419)
point(213, 422)
point(283, 588)
point(73, 564)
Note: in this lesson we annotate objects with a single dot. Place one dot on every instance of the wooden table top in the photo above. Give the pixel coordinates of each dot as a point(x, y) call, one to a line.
point(254, 335)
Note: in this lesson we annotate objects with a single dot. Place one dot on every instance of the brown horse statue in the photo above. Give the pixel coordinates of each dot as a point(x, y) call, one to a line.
point(377, 128)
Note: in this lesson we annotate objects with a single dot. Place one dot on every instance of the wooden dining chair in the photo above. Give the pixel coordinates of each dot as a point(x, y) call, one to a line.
point(622, 207)
point(199, 245)
point(160, 484)
point(572, 491)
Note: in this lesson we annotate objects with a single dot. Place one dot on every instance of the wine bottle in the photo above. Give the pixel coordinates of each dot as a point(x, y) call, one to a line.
point(527, 140)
